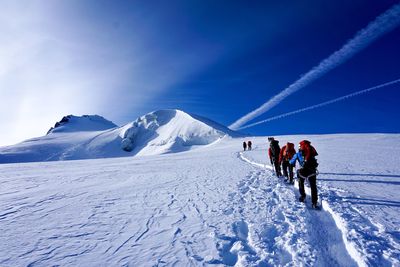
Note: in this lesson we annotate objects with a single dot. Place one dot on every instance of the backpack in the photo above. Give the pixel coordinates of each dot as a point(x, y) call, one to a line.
point(275, 149)
point(312, 162)
point(313, 152)
point(289, 151)
point(305, 145)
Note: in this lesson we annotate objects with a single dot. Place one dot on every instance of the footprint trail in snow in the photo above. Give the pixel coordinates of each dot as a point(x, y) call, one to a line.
point(278, 230)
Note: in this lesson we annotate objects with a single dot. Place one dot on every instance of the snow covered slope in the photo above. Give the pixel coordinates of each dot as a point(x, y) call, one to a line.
point(215, 205)
point(86, 137)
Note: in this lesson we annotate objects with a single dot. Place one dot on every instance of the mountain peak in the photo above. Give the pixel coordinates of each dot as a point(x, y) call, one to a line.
point(92, 136)
point(170, 130)
point(71, 123)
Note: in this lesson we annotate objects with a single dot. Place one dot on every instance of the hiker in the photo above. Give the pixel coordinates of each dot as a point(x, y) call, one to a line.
point(306, 157)
point(273, 153)
point(249, 145)
point(244, 146)
point(287, 153)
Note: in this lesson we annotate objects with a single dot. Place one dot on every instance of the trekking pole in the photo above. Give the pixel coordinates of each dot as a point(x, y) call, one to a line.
point(273, 167)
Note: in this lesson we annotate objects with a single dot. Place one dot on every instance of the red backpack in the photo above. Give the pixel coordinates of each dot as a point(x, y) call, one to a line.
point(309, 150)
point(289, 151)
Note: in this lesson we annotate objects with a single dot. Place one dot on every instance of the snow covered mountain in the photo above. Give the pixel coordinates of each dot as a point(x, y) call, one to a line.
point(85, 137)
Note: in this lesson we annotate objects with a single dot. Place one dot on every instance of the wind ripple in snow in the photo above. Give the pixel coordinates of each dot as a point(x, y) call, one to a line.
point(190, 209)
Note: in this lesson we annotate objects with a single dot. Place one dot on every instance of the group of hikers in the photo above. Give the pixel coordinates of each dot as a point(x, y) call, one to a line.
point(286, 158)
point(247, 145)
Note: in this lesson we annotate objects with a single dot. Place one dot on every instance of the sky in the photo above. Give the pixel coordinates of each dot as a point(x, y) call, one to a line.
point(217, 59)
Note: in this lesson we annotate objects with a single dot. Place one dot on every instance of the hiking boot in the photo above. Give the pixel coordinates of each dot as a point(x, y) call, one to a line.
point(301, 199)
point(315, 206)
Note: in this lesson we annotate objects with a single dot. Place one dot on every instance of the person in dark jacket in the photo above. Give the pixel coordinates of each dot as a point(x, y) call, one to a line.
point(286, 154)
point(306, 157)
point(249, 144)
point(273, 153)
point(244, 146)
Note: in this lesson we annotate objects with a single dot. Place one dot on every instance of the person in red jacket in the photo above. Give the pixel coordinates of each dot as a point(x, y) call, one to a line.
point(286, 154)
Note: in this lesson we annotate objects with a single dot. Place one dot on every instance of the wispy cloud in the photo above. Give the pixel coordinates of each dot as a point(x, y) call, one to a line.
point(57, 60)
point(322, 104)
point(375, 29)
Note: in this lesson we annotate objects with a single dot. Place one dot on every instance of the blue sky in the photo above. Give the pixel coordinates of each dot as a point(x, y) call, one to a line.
point(218, 59)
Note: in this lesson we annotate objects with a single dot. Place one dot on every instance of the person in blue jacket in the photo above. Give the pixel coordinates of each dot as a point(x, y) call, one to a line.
point(298, 156)
point(308, 171)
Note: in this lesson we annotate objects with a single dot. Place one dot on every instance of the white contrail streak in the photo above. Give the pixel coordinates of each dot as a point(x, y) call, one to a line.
point(321, 104)
point(375, 29)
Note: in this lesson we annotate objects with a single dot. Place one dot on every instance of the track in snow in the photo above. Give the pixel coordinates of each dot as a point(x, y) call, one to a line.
point(189, 209)
point(290, 232)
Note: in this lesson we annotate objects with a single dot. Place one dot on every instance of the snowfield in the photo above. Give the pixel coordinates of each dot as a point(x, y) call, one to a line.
point(213, 205)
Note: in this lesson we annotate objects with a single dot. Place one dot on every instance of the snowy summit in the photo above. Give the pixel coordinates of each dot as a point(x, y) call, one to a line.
point(92, 136)
point(83, 123)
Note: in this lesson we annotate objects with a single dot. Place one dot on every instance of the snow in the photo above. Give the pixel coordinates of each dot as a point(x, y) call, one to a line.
point(89, 137)
point(169, 131)
point(213, 205)
point(358, 183)
point(83, 123)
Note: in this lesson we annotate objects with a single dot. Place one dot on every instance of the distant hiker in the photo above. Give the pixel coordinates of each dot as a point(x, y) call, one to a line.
point(244, 146)
point(287, 153)
point(306, 157)
point(273, 152)
point(249, 145)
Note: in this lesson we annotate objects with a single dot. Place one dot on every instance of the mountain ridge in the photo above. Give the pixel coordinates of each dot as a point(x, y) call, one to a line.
point(93, 136)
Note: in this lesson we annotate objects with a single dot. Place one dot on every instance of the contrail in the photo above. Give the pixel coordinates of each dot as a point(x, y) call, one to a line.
point(384, 23)
point(321, 104)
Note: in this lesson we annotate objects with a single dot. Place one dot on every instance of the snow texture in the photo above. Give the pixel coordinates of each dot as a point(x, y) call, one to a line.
point(214, 205)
